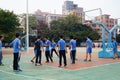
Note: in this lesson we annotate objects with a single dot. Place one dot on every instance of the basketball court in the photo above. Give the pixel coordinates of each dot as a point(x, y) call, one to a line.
point(97, 69)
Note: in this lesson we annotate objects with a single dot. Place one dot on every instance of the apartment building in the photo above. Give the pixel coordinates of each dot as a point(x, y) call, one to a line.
point(107, 21)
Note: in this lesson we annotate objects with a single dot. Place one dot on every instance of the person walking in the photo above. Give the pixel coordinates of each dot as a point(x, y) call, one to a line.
point(53, 48)
point(35, 52)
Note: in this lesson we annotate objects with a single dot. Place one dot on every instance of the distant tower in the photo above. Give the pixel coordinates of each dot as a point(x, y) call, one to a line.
point(68, 6)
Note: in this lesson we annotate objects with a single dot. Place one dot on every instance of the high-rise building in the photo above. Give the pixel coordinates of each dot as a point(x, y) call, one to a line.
point(68, 6)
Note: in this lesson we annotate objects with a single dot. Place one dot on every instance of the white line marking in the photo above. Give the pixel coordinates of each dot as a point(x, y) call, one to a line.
point(24, 75)
point(95, 66)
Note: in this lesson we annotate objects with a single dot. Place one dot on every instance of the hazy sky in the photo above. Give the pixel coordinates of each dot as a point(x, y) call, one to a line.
point(19, 6)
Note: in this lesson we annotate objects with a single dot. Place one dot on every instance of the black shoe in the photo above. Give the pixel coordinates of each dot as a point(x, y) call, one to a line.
point(118, 57)
point(73, 63)
point(32, 61)
point(35, 64)
point(1, 64)
point(19, 69)
point(89, 60)
point(85, 60)
point(59, 66)
point(114, 58)
point(40, 63)
point(65, 65)
point(76, 59)
point(47, 61)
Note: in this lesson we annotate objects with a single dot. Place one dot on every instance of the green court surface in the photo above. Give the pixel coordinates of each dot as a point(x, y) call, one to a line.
point(98, 69)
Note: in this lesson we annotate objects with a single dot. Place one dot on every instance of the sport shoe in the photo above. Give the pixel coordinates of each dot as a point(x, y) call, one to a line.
point(35, 64)
point(1, 64)
point(19, 70)
point(65, 65)
point(85, 59)
point(32, 61)
point(40, 63)
point(89, 60)
point(113, 58)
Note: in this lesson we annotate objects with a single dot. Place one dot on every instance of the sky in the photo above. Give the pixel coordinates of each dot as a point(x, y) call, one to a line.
point(19, 6)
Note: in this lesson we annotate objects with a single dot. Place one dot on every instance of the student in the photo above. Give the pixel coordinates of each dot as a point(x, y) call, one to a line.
point(53, 48)
point(39, 48)
point(16, 52)
point(114, 43)
point(72, 47)
point(75, 39)
point(47, 50)
point(35, 51)
point(1, 57)
point(62, 51)
point(88, 48)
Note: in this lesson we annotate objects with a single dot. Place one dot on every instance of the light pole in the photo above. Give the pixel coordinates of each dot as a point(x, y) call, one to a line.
point(27, 25)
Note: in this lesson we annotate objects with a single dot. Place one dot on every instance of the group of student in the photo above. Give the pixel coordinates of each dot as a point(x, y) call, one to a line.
point(61, 49)
point(49, 48)
point(16, 52)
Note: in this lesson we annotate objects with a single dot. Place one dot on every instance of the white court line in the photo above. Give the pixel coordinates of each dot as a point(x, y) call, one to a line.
point(10, 67)
point(23, 75)
point(95, 66)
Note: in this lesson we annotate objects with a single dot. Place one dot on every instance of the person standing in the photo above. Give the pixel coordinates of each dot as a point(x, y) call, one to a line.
point(35, 51)
point(1, 57)
point(72, 48)
point(88, 48)
point(16, 52)
point(53, 48)
point(114, 43)
point(47, 50)
point(39, 47)
point(62, 51)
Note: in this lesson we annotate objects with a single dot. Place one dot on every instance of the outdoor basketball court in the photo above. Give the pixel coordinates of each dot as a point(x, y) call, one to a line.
point(97, 69)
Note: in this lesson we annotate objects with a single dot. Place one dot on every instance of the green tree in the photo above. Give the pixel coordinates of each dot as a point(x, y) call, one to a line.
point(118, 38)
point(71, 25)
point(9, 23)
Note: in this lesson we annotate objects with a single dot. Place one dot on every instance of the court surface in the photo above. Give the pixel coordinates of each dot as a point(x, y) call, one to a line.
point(97, 69)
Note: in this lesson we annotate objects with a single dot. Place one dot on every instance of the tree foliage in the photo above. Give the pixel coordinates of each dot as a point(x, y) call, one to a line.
point(8, 23)
point(118, 38)
point(70, 26)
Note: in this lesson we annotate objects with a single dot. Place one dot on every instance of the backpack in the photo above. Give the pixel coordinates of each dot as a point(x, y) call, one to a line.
point(37, 44)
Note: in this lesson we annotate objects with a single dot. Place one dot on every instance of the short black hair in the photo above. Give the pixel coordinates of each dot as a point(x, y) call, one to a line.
point(1, 36)
point(38, 37)
point(71, 37)
point(61, 36)
point(46, 37)
point(88, 36)
point(17, 35)
point(113, 38)
point(75, 38)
